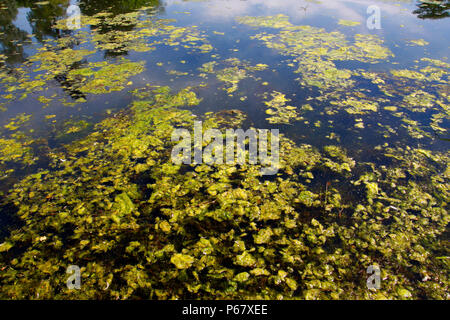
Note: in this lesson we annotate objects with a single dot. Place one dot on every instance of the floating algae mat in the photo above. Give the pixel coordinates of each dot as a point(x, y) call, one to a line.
point(89, 105)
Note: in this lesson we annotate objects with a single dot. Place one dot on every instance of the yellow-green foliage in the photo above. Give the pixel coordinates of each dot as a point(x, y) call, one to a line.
point(141, 227)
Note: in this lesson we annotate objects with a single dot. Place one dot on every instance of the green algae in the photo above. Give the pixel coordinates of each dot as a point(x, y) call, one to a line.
point(225, 119)
point(58, 62)
point(17, 122)
point(357, 106)
point(107, 78)
point(348, 23)
point(208, 67)
point(278, 110)
point(98, 195)
point(279, 21)
point(95, 78)
point(182, 231)
point(125, 216)
point(13, 150)
point(17, 147)
point(232, 75)
point(67, 58)
point(410, 74)
point(315, 50)
point(419, 101)
point(143, 37)
point(418, 42)
point(182, 261)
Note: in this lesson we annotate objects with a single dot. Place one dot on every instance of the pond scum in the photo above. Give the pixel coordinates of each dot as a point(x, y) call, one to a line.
point(139, 226)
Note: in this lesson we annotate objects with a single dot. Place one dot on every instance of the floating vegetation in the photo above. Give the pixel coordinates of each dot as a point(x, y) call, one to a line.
point(419, 101)
point(95, 206)
point(18, 122)
point(139, 39)
point(100, 77)
point(59, 60)
point(361, 181)
point(315, 50)
point(357, 106)
point(12, 150)
point(419, 42)
point(278, 22)
point(71, 129)
point(238, 71)
point(348, 23)
point(410, 74)
point(226, 119)
point(232, 76)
